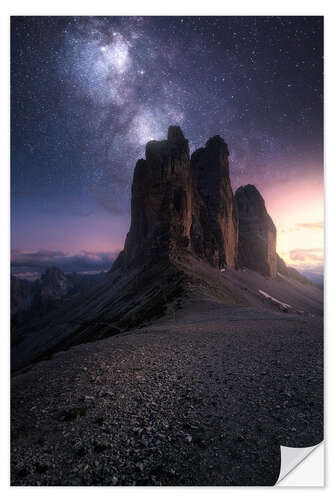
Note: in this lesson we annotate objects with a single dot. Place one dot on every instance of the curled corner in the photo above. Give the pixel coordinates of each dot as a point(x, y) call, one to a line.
point(291, 458)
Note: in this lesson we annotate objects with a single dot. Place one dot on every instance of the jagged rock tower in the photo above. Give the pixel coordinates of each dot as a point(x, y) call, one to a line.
point(182, 206)
point(161, 202)
point(257, 232)
point(214, 217)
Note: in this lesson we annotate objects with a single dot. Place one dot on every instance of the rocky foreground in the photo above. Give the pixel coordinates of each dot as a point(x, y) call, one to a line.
point(205, 396)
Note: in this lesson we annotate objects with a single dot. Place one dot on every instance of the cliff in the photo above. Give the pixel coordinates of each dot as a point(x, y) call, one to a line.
point(214, 218)
point(181, 205)
point(257, 232)
point(161, 202)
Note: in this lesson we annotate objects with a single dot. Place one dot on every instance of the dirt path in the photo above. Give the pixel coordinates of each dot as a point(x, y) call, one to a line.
point(205, 399)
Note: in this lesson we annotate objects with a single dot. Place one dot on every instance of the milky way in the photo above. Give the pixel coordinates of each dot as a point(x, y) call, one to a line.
point(89, 92)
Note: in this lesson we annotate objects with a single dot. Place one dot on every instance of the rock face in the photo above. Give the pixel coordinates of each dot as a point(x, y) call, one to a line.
point(53, 284)
point(161, 202)
point(40, 295)
point(214, 220)
point(22, 294)
point(257, 233)
point(290, 272)
point(180, 206)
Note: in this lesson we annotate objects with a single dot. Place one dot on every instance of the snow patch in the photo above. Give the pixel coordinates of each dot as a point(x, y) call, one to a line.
point(276, 301)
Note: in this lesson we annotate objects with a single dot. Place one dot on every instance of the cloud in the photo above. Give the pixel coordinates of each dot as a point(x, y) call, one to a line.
point(36, 262)
point(309, 262)
point(307, 255)
point(289, 230)
point(31, 276)
point(311, 225)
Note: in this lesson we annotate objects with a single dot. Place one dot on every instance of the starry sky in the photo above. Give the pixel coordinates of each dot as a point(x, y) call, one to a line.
point(87, 93)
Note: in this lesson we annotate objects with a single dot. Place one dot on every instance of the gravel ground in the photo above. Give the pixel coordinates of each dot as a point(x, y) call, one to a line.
point(196, 399)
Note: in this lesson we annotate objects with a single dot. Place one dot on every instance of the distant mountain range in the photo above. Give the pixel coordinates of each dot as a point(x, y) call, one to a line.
point(314, 277)
point(31, 300)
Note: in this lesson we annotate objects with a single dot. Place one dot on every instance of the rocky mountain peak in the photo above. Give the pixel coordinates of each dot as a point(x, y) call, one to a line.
point(257, 232)
point(175, 135)
point(250, 201)
point(52, 274)
point(183, 205)
point(216, 143)
point(214, 225)
point(175, 147)
point(161, 202)
point(53, 283)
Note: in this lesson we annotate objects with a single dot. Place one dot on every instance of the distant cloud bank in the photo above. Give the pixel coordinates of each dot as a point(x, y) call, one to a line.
point(311, 225)
point(312, 255)
point(310, 262)
point(31, 264)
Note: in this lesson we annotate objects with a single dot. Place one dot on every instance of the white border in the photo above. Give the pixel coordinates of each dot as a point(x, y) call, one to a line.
point(169, 7)
point(308, 472)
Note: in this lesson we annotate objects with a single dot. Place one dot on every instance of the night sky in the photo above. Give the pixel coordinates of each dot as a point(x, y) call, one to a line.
point(87, 93)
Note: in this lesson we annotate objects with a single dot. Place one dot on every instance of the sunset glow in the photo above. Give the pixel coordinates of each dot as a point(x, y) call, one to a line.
point(297, 210)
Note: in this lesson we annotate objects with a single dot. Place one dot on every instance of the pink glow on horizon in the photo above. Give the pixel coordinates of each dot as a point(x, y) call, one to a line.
point(295, 205)
point(297, 209)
